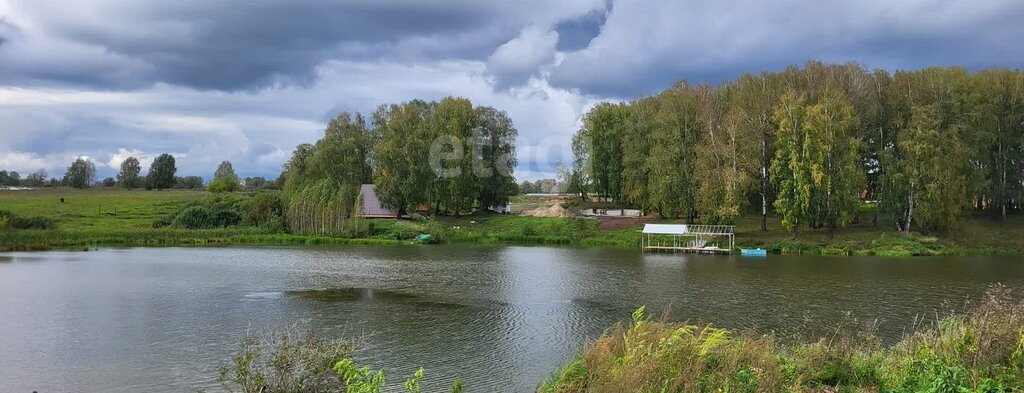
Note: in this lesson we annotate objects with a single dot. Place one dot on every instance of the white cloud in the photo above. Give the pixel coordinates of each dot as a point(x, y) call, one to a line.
point(27, 162)
point(515, 61)
point(258, 130)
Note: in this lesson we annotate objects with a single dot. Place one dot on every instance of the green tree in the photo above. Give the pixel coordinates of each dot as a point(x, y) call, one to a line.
point(603, 128)
point(670, 162)
point(161, 173)
point(80, 174)
point(323, 180)
point(636, 149)
point(36, 179)
point(790, 170)
point(224, 179)
point(723, 162)
point(928, 182)
point(494, 156)
point(750, 114)
point(454, 188)
point(402, 176)
point(997, 116)
point(832, 157)
point(128, 177)
point(188, 182)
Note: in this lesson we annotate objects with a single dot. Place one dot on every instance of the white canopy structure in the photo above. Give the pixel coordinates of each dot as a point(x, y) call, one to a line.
point(665, 229)
point(686, 238)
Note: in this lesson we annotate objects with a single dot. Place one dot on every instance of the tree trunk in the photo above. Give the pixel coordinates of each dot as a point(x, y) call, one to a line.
point(1002, 182)
point(764, 185)
point(910, 211)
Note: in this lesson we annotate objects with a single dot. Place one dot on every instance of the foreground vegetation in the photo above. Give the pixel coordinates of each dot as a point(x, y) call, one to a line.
point(37, 220)
point(295, 360)
point(982, 351)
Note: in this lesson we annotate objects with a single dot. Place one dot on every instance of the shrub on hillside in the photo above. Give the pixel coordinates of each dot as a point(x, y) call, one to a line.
point(10, 220)
point(222, 185)
point(265, 210)
point(193, 217)
point(295, 360)
point(213, 212)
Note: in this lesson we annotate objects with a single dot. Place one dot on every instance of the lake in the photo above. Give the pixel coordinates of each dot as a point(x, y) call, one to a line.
point(501, 318)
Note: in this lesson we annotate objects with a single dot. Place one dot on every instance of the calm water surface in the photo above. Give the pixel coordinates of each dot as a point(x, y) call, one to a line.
point(501, 318)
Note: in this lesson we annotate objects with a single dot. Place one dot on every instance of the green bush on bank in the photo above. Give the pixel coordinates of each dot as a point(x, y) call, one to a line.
point(982, 351)
point(225, 210)
point(9, 220)
point(295, 360)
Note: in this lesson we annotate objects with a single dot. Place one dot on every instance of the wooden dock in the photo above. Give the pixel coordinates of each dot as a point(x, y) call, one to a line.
point(693, 250)
point(698, 239)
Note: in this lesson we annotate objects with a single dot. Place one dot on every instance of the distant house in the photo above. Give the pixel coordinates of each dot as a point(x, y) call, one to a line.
point(373, 209)
point(371, 204)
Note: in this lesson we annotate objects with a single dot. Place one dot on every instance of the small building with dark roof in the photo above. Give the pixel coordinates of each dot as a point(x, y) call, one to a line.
point(371, 207)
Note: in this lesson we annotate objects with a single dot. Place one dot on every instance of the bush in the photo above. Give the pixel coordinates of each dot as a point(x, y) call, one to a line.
point(193, 217)
point(292, 360)
point(9, 220)
point(32, 223)
point(265, 210)
point(295, 360)
point(222, 185)
point(214, 212)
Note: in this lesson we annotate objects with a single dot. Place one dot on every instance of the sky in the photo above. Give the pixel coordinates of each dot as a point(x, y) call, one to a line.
point(247, 81)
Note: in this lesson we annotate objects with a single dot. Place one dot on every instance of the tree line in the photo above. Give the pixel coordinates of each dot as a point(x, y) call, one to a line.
point(810, 143)
point(444, 157)
point(162, 175)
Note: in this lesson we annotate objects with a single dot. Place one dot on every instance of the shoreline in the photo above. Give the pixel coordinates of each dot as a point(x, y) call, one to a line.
point(884, 245)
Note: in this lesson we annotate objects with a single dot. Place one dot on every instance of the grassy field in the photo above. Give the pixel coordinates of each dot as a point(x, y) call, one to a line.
point(125, 217)
point(97, 209)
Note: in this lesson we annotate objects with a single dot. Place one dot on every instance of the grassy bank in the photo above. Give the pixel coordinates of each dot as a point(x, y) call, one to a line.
point(125, 218)
point(982, 351)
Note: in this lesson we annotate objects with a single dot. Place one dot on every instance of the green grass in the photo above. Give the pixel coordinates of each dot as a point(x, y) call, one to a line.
point(981, 351)
point(97, 209)
point(125, 217)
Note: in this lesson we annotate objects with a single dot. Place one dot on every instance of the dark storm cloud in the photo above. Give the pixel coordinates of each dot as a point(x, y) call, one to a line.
point(229, 45)
point(239, 45)
point(645, 46)
point(575, 34)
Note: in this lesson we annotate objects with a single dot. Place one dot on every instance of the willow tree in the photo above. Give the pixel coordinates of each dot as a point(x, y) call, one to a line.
point(790, 170)
point(324, 180)
point(295, 169)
